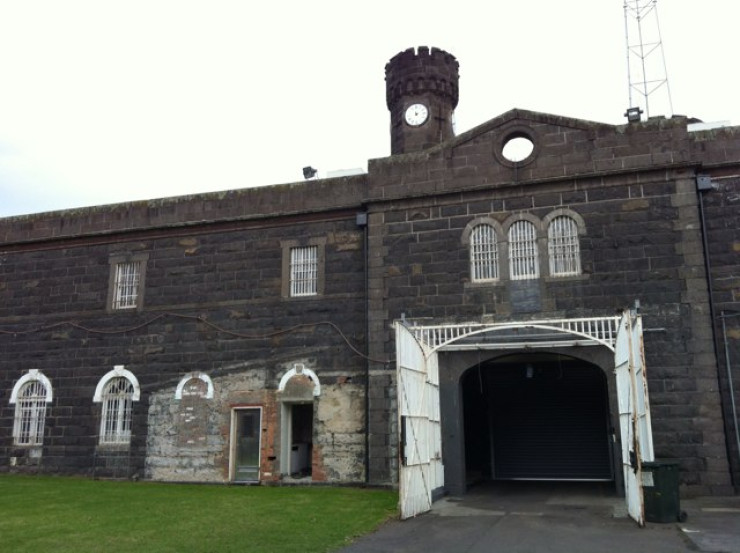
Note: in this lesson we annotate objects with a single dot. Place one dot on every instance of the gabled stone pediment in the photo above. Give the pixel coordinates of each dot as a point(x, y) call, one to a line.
point(563, 148)
point(521, 117)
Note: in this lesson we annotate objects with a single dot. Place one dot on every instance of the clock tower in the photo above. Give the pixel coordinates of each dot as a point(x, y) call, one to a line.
point(421, 94)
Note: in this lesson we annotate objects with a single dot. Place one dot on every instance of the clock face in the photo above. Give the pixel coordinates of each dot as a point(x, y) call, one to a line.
point(416, 114)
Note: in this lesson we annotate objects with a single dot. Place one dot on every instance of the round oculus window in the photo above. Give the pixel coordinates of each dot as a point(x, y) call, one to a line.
point(517, 148)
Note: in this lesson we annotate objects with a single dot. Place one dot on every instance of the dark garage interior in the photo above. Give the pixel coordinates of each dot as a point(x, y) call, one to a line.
point(537, 416)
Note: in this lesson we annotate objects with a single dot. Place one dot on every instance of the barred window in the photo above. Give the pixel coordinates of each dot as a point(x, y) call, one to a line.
point(483, 253)
point(304, 271)
point(126, 287)
point(30, 397)
point(563, 247)
point(128, 276)
point(115, 424)
point(523, 254)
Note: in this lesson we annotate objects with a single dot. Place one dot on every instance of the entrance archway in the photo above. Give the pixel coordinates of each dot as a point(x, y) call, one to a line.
point(430, 362)
point(536, 416)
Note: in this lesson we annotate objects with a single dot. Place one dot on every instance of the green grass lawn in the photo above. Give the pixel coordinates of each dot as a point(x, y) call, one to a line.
point(59, 514)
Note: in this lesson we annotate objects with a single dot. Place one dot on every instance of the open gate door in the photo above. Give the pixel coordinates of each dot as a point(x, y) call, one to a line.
point(634, 410)
point(420, 471)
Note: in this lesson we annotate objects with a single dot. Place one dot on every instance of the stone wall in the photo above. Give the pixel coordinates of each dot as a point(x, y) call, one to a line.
point(213, 300)
point(634, 189)
point(722, 222)
point(224, 210)
point(190, 441)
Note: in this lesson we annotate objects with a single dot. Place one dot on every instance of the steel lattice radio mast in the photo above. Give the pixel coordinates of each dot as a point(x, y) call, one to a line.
point(647, 75)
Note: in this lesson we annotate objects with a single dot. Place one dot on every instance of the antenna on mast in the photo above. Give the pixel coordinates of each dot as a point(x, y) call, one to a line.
point(646, 69)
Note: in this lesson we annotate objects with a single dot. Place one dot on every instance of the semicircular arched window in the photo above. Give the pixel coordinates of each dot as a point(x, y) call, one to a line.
point(30, 396)
point(115, 426)
point(117, 391)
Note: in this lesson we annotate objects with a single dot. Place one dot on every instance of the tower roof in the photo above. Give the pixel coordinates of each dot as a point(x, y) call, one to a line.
point(419, 71)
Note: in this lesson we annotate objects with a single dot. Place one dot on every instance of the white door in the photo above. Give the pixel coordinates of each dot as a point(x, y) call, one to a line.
point(634, 410)
point(420, 468)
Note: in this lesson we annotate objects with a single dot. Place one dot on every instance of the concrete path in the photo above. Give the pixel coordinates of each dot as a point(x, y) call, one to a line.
point(554, 519)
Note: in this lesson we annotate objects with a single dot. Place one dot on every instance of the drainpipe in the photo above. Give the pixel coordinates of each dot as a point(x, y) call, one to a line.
point(729, 377)
point(704, 184)
point(362, 221)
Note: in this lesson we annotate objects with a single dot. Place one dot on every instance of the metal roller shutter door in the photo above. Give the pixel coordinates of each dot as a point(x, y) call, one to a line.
point(552, 426)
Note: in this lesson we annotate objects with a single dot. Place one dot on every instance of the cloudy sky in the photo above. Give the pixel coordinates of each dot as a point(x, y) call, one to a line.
point(105, 101)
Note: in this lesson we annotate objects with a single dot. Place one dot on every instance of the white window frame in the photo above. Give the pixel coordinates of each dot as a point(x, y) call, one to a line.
point(303, 268)
point(128, 276)
point(484, 253)
point(304, 271)
point(116, 391)
point(524, 259)
point(563, 246)
point(126, 286)
point(195, 376)
point(30, 395)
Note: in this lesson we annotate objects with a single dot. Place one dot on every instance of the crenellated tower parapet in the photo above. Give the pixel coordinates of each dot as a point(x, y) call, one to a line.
point(421, 94)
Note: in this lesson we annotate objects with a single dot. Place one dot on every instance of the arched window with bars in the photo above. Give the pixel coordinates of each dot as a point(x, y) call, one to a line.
point(483, 253)
point(523, 253)
point(563, 246)
point(30, 396)
point(117, 392)
point(115, 426)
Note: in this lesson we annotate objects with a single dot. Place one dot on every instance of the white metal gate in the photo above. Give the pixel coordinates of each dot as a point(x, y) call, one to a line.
point(634, 410)
point(421, 471)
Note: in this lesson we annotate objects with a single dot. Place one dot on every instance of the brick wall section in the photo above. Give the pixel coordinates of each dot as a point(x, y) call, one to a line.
point(207, 293)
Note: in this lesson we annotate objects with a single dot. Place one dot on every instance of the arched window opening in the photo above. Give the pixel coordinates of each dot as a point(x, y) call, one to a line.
point(563, 247)
point(483, 254)
point(523, 254)
point(117, 398)
point(30, 413)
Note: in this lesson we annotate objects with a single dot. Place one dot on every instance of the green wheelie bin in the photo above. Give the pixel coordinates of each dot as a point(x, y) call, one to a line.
point(660, 492)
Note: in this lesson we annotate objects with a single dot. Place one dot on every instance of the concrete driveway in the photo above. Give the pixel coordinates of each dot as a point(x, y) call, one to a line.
point(546, 517)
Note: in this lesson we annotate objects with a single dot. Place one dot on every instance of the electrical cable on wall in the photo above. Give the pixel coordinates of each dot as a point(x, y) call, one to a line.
point(204, 321)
